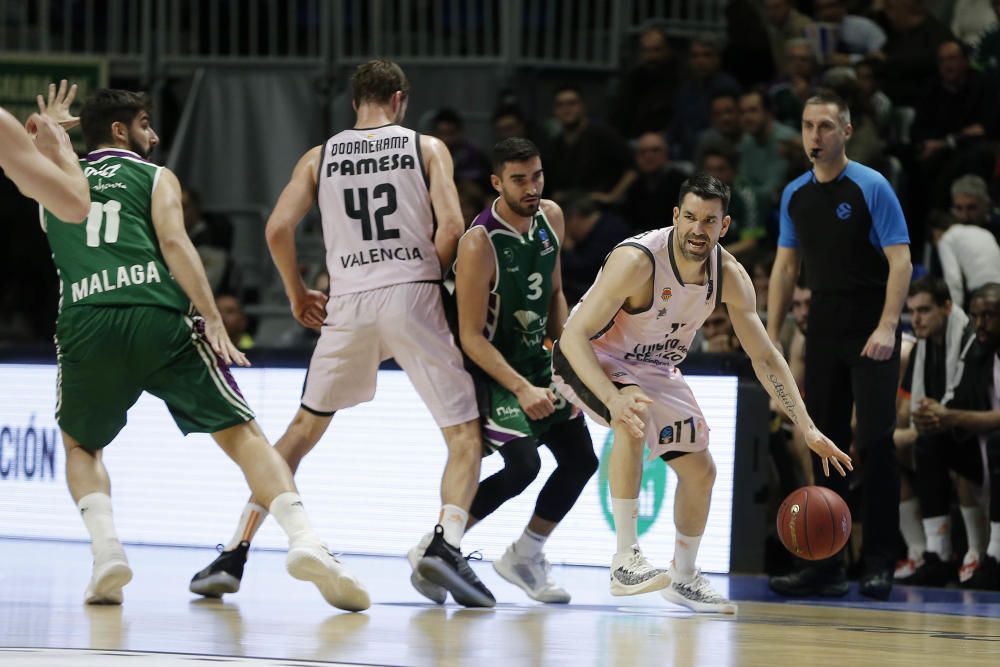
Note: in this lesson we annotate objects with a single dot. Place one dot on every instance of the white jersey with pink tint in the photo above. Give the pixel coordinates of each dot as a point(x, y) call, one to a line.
point(661, 335)
point(378, 224)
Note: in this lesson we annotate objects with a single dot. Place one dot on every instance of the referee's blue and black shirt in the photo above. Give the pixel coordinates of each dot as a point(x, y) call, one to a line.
point(839, 229)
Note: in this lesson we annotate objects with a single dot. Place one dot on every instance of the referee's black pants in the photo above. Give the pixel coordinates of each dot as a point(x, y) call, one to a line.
point(839, 379)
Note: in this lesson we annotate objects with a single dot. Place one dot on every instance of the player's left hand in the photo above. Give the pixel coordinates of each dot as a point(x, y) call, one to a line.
point(880, 344)
point(58, 105)
point(49, 138)
point(828, 452)
point(215, 334)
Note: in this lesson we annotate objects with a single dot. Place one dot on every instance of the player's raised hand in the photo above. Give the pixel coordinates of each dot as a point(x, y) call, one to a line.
point(309, 309)
point(630, 409)
point(537, 402)
point(49, 138)
point(57, 107)
point(218, 339)
point(828, 452)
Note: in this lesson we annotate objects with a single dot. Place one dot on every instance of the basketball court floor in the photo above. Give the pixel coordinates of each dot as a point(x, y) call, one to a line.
point(276, 620)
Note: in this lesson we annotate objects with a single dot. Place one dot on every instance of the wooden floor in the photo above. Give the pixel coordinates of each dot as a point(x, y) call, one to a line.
point(276, 620)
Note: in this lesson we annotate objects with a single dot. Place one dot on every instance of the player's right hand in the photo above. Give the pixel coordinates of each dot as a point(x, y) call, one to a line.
point(537, 402)
point(310, 309)
point(630, 408)
point(215, 334)
point(50, 139)
point(57, 107)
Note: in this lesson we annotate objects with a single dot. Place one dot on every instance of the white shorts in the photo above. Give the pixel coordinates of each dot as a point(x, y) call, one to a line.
point(405, 322)
point(674, 421)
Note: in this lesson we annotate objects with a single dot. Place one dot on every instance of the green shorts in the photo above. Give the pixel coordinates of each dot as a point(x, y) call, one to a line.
point(109, 355)
point(503, 419)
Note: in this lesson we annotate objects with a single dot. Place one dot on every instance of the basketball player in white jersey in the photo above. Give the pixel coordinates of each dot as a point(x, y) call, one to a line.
point(380, 187)
point(617, 360)
point(41, 161)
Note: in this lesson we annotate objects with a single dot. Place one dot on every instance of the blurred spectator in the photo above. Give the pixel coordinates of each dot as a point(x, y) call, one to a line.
point(969, 254)
point(971, 204)
point(760, 275)
point(748, 55)
point(868, 74)
point(235, 320)
point(471, 164)
point(763, 151)
point(987, 53)
point(590, 235)
point(909, 52)
point(704, 80)
point(972, 19)
point(212, 237)
point(473, 199)
point(745, 231)
point(797, 84)
point(509, 121)
point(585, 155)
point(784, 22)
point(857, 36)
point(717, 335)
point(865, 144)
point(649, 201)
point(645, 100)
point(725, 131)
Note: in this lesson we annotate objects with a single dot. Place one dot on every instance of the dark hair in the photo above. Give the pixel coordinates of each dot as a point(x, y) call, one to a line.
point(827, 96)
point(724, 94)
point(377, 81)
point(730, 156)
point(962, 46)
point(107, 106)
point(705, 186)
point(447, 115)
point(938, 219)
point(936, 287)
point(765, 99)
point(578, 202)
point(508, 110)
point(568, 88)
point(989, 291)
point(513, 149)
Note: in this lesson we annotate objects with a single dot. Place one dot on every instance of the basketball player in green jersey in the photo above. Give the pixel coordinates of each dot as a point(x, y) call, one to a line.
point(41, 161)
point(509, 288)
point(129, 276)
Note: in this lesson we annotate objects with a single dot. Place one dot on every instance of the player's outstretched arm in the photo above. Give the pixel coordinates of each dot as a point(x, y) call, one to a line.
point(472, 284)
point(626, 275)
point(185, 264)
point(444, 199)
point(770, 366)
point(308, 305)
point(46, 169)
point(558, 310)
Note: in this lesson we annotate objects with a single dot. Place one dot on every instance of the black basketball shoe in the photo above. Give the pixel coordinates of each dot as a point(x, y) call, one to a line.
point(223, 574)
point(445, 566)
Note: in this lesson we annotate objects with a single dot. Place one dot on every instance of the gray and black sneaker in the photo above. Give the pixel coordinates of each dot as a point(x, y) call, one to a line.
point(223, 575)
point(632, 574)
point(697, 595)
point(444, 565)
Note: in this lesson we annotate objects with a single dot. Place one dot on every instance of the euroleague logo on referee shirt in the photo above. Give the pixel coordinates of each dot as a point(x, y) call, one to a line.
point(844, 210)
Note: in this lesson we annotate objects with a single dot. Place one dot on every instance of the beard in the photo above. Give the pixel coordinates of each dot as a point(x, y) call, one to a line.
point(690, 254)
point(522, 208)
point(137, 148)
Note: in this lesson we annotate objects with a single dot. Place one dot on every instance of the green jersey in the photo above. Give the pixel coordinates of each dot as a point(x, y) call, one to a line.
point(114, 257)
point(518, 307)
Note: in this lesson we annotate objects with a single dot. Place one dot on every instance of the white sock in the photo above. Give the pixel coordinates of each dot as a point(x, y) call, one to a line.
point(975, 528)
point(530, 544)
point(938, 531)
point(453, 521)
point(994, 548)
point(685, 554)
point(95, 510)
point(250, 521)
point(912, 529)
point(288, 511)
point(626, 514)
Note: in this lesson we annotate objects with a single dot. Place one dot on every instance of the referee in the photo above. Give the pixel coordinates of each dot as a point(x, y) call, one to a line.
point(844, 222)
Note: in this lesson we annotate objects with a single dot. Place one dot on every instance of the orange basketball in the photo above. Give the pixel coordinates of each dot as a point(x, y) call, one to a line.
point(814, 523)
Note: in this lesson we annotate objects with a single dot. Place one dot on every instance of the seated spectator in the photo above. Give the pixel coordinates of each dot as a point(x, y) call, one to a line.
point(645, 99)
point(868, 74)
point(944, 336)
point(509, 121)
point(971, 204)
point(972, 415)
point(969, 255)
point(908, 55)
point(212, 237)
point(865, 145)
point(703, 81)
point(725, 131)
point(650, 199)
point(473, 199)
point(764, 151)
point(717, 335)
point(798, 83)
point(784, 22)
point(745, 231)
point(760, 275)
point(584, 155)
point(471, 164)
point(590, 235)
point(857, 36)
point(235, 320)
